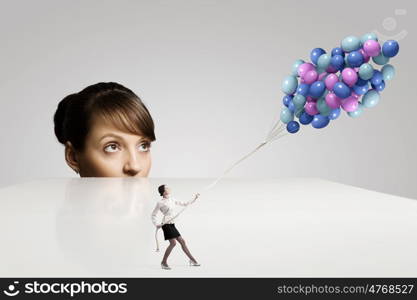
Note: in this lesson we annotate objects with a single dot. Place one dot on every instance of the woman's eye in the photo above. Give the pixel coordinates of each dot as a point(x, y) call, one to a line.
point(111, 148)
point(144, 147)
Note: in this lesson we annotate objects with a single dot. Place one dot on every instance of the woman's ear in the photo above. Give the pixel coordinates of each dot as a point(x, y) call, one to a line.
point(71, 157)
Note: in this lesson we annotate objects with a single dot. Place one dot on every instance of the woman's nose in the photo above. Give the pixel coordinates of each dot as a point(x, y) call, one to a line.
point(132, 165)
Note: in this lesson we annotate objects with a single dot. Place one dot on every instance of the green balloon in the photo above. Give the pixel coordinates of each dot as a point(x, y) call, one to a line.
point(289, 85)
point(299, 100)
point(388, 72)
point(356, 113)
point(366, 71)
point(295, 66)
point(368, 36)
point(322, 107)
point(324, 61)
point(380, 59)
point(286, 115)
point(371, 98)
point(350, 43)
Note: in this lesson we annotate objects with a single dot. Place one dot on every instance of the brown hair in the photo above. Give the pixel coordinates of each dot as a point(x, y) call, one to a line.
point(111, 101)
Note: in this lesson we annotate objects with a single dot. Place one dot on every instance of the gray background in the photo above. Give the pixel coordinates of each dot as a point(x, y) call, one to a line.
point(210, 73)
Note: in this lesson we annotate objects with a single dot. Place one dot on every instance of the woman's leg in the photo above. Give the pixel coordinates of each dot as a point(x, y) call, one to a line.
point(171, 246)
point(185, 248)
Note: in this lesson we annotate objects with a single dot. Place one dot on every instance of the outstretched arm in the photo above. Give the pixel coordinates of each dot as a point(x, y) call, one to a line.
point(187, 203)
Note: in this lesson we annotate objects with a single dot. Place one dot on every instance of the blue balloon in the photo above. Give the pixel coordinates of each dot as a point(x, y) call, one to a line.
point(286, 100)
point(334, 114)
point(390, 48)
point(379, 87)
point(291, 106)
point(341, 90)
point(337, 61)
point(360, 89)
point(293, 126)
point(355, 59)
point(361, 82)
point(377, 78)
point(338, 51)
point(303, 89)
point(320, 121)
point(305, 118)
point(317, 89)
point(315, 54)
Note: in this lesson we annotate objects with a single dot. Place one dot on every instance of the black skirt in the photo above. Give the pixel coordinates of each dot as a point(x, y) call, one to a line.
point(170, 231)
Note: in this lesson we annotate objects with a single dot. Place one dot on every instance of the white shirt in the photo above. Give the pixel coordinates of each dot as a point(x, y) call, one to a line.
point(166, 206)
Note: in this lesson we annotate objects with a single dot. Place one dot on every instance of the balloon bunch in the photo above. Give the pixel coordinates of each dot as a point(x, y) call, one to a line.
point(343, 79)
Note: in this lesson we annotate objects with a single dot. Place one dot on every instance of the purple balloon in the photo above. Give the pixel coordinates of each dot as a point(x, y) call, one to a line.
point(349, 76)
point(330, 81)
point(311, 108)
point(304, 68)
point(372, 48)
point(366, 57)
point(310, 76)
point(350, 104)
point(310, 99)
point(332, 100)
point(331, 69)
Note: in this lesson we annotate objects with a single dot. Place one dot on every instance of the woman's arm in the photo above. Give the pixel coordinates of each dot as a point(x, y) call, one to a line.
point(186, 203)
point(154, 214)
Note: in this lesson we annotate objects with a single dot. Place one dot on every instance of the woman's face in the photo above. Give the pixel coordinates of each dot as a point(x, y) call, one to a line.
point(110, 152)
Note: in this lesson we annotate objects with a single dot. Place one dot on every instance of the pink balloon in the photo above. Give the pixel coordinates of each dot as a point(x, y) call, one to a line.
point(330, 81)
point(350, 104)
point(309, 99)
point(332, 100)
point(355, 95)
point(349, 76)
point(322, 75)
point(304, 68)
point(366, 57)
point(372, 48)
point(310, 76)
point(311, 108)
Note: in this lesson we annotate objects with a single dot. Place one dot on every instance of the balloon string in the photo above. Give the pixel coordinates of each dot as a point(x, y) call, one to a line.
point(273, 135)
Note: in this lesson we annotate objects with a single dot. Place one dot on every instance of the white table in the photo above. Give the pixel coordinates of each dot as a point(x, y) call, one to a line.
point(288, 227)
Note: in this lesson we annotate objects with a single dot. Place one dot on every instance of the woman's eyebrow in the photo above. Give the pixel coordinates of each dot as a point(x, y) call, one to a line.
point(111, 135)
point(121, 138)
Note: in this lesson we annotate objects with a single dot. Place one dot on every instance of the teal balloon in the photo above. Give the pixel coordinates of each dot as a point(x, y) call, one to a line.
point(368, 36)
point(286, 115)
point(350, 43)
point(388, 72)
point(289, 85)
point(299, 112)
point(299, 100)
point(324, 61)
point(380, 59)
point(371, 98)
point(356, 113)
point(347, 65)
point(295, 66)
point(322, 107)
point(366, 71)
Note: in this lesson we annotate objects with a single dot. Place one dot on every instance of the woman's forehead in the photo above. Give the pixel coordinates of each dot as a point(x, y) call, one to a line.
point(101, 128)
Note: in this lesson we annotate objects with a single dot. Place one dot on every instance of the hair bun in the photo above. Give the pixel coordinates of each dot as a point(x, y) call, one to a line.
point(59, 118)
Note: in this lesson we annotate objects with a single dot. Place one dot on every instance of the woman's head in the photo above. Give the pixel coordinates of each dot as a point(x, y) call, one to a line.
point(107, 131)
point(164, 190)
